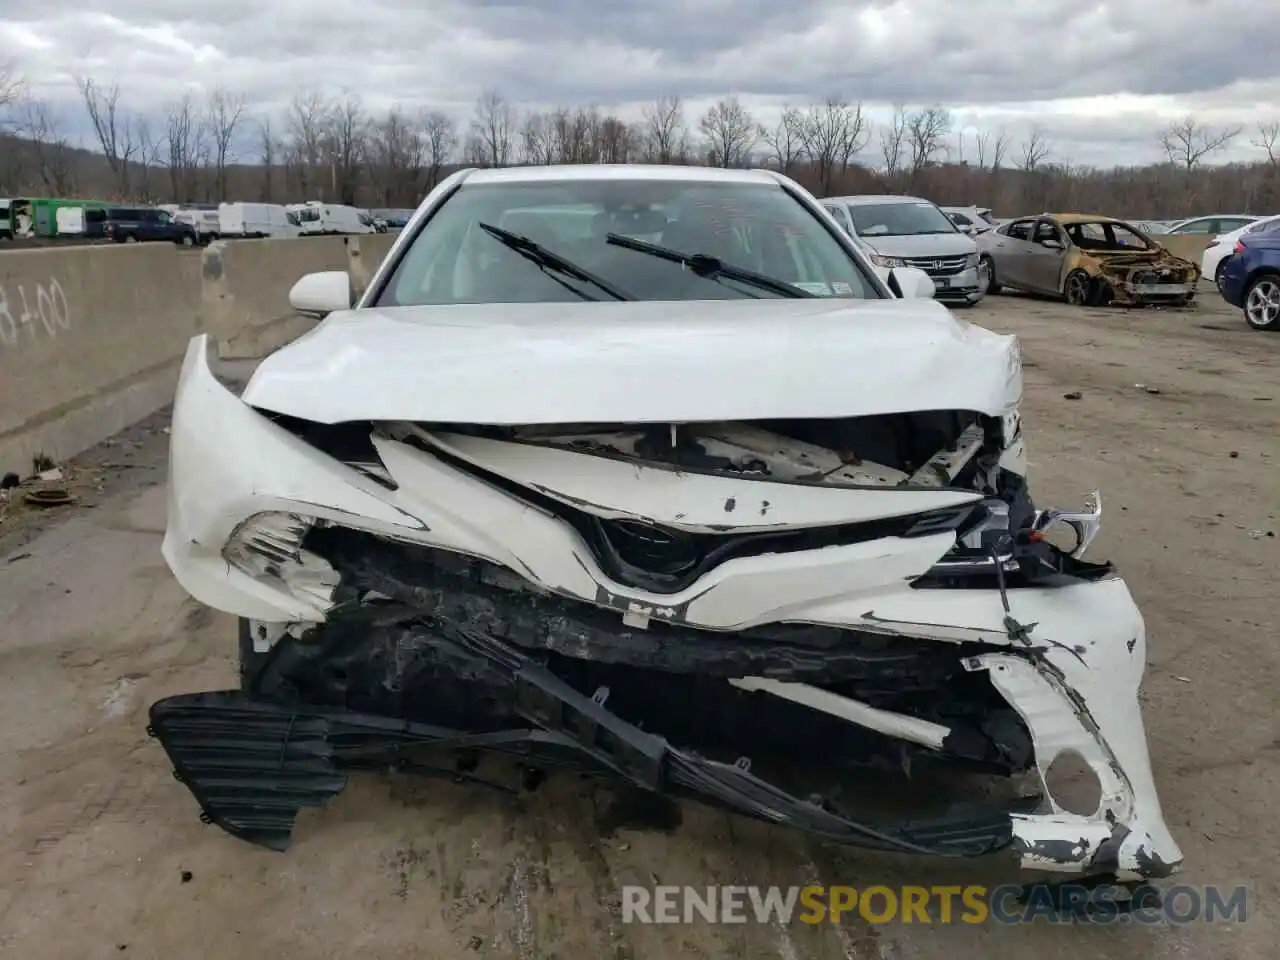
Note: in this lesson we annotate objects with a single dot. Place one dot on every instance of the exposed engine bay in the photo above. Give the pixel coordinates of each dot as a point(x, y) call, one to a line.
point(1118, 274)
point(755, 614)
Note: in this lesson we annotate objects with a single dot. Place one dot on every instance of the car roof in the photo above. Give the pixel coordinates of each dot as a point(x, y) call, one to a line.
point(1251, 217)
point(867, 198)
point(1066, 219)
point(618, 171)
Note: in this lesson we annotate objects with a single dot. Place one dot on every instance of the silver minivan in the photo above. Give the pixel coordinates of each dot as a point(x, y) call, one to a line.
point(912, 232)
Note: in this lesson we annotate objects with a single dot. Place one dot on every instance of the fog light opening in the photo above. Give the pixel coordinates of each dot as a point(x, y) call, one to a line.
point(1073, 785)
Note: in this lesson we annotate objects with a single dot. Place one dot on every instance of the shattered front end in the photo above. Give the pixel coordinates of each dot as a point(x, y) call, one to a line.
point(758, 615)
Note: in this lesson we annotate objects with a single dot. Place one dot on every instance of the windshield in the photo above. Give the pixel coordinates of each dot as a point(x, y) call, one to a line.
point(899, 219)
point(756, 227)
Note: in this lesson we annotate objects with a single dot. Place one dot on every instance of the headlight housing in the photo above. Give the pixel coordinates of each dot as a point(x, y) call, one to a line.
point(268, 547)
point(973, 259)
point(887, 262)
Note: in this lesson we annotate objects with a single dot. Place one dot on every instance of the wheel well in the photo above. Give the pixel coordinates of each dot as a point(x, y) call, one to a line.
point(1257, 273)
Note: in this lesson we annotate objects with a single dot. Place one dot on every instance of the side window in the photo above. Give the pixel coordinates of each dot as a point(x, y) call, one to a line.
point(1199, 227)
point(1045, 230)
point(1230, 224)
point(1020, 230)
point(960, 220)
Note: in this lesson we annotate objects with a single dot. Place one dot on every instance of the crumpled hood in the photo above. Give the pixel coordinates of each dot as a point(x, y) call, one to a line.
point(638, 362)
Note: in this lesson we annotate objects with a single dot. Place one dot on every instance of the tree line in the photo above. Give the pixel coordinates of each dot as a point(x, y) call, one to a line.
point(332, 147)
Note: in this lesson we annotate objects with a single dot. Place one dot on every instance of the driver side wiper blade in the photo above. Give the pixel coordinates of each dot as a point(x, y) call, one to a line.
point(710, 267)
point(548, 260)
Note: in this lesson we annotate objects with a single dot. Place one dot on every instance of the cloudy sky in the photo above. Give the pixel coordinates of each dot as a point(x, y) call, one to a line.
point(1101, 77)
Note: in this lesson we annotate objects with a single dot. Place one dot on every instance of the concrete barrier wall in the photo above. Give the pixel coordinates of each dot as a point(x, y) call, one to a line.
point(247, 295)
point(91, 337)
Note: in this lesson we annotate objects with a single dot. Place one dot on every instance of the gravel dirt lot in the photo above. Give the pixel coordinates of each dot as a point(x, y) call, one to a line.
point(102, 854)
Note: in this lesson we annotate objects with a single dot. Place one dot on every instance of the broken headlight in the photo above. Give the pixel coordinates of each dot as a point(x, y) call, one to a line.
point(268, 547)
point(983, 542)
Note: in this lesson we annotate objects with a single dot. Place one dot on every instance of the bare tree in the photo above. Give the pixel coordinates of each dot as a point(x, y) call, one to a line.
point(786, 140)
point(892, 136)
point(395, 158)
point(43, 131)
point(493, 125)
point(148, 157)
point(617, 141)
point(306, 123)
point(926, 133)
point(833, 132)
point(186, 148)
point(994, 148)
point(666, 138)
point(267, 147)
point(344, 141)
point(539, 143)
point(1186, 142)
point(1035, 149)
point(11, 94)
point(111, 127)
point(441, 138)
point(1268, 141)
point(731, 132)
point(224, 113)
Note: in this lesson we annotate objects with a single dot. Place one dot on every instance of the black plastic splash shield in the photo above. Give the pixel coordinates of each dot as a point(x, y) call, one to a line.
point(253, 764)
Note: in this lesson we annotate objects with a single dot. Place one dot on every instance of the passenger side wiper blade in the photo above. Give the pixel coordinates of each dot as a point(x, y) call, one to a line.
point(710, 267)
point(549, 261)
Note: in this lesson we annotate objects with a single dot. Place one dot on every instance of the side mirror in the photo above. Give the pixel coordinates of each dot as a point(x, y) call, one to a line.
point(320, 294)
point(913, 282)
point(1051, 244)
point(964, 228)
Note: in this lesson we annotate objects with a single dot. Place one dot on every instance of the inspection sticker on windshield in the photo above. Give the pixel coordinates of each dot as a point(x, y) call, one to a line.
point(839, 287)
point(817, 289)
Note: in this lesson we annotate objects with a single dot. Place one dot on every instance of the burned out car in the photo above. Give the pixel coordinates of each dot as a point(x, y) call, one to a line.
point(1087, 260)
point(642, 472)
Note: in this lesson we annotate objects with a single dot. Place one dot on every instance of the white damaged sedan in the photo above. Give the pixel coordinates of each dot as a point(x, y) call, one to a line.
point(643, 472)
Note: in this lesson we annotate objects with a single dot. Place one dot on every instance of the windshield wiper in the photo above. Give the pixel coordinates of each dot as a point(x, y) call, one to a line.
point(710, 267)
point(552, 263)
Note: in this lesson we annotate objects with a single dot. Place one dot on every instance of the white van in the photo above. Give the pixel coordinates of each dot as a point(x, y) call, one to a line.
point(913, 232)
point(202, 217)
point(255, 220)
point(317, 217)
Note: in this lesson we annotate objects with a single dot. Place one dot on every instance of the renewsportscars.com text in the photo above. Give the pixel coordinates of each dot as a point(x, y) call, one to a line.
point(972, 904)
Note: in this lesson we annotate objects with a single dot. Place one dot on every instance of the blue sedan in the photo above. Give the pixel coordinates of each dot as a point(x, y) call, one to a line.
point(1251, 277)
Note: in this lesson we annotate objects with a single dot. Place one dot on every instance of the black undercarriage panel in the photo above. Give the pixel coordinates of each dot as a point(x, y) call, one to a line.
point(430, 658)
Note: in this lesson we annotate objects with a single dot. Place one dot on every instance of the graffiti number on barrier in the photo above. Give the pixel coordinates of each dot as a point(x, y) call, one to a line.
point(33, 308)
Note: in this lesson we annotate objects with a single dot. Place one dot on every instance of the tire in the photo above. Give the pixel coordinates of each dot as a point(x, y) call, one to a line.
point(187, 241)
point(992, 286)
point(1217, 274)
point(1262, 302)
point(130, 238)
point(1077, 289)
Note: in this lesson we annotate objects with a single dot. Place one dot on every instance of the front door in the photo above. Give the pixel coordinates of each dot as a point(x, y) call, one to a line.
point(1044, 263)
point(1010, 250)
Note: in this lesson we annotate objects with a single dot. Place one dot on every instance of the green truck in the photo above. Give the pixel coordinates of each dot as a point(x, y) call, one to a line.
point(48, 217)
